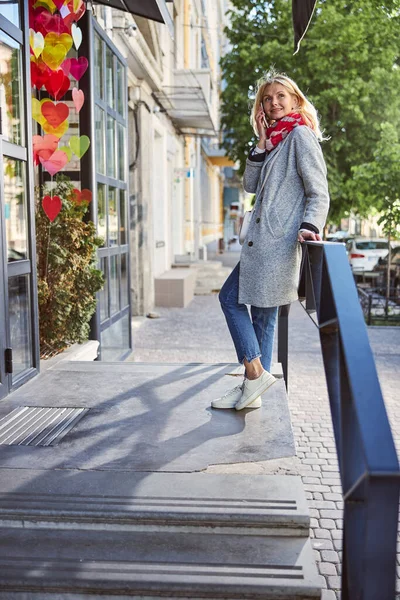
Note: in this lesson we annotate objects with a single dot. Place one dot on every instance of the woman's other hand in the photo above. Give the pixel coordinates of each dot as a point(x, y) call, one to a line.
point(304, 235)
point(262, 132)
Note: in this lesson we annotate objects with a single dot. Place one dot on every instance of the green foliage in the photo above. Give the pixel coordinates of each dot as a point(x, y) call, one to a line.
point(348, 66)
point(67, 275)
point(379, 180)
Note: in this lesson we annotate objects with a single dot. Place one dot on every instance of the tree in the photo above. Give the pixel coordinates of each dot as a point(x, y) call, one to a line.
point(378, 183)
point(348, 65)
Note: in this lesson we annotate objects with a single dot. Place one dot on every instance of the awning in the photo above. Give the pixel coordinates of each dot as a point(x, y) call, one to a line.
point(186, 102)
point(302, 12)
point(155, 10)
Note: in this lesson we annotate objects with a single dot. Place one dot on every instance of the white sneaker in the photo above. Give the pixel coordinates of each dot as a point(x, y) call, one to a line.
point(231, 398)
point(253, 388)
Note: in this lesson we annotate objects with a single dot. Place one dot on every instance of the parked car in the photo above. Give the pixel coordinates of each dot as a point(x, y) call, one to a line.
point(381, 269)
point(364, 253)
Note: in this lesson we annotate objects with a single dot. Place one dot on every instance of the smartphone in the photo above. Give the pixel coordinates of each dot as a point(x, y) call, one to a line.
point(264, 120)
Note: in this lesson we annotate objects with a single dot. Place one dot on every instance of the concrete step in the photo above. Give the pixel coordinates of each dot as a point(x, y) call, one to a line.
point(261, 505)
point(48, 564)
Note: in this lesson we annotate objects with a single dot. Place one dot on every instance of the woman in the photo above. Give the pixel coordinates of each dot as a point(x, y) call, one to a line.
point(287, 172)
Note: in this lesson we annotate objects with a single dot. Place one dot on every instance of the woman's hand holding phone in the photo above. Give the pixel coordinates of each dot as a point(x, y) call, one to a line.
point(261, 127)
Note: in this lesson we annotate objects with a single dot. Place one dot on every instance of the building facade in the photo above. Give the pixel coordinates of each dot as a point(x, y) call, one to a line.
point(152, 114)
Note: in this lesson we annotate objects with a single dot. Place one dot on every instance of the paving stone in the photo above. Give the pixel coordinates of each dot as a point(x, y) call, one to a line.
point(327, 568)
point(327, 524)
point(334, 582)
point(330, 556)
point(328, 595)
point(323, 534)
point(320, 544)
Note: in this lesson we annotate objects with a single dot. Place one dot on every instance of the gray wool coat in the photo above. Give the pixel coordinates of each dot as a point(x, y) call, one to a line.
point(295, 191)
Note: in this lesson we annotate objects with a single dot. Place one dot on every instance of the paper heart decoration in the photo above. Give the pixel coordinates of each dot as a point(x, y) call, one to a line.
point(55, 162)
point(67, 151)
point(76, 33)
point(53, 56)
point(37, 110)
point(44, 146)
point(78, 67)
point(55, 114)
point(52, 206)
point(39, 74)
point(44, 22)
point(79, 145)
point(65, 39)
point(59, 3)
point(36, 41)
point(47, 4)
point(78, 98)
point(57, 84)
point(57, 131)
point(81, 196)
point(74, 15)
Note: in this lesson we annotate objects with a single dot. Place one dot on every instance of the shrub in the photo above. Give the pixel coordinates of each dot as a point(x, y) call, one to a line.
point(67, 275)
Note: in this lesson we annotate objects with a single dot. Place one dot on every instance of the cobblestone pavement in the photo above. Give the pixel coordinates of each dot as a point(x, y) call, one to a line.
point(199, 334)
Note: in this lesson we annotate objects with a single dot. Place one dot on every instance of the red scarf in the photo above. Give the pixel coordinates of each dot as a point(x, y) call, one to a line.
point(277, 132)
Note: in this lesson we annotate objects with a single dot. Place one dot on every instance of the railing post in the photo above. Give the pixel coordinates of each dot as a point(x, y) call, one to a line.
point(369, 309)
point(283, 339)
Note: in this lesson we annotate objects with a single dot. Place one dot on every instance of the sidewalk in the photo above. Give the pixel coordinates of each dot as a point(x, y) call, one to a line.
point(199, 334)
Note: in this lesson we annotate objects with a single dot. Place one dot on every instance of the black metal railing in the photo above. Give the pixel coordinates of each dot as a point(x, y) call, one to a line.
point(368, 463)
point(379, 308)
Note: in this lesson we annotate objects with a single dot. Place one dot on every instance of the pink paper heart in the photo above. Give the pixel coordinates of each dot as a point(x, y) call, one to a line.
point(78, 67)
point(78, 98)
point(66, 66)
point(44, 146)
point(55, 163)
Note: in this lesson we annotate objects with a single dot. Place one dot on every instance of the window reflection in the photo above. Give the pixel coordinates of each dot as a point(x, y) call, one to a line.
point(102, 212)
point(114, 284)
point(11, 89)
point(122, 152)
point(103, 294)
point(110, 92)
point(100, 140)
point(124, 281)
point(10, 11)
point(112, 217)
point(123, 217)
point(98, 66)
point(20, 323)
point(15, 211)
point(111, 170)
point(120, 88)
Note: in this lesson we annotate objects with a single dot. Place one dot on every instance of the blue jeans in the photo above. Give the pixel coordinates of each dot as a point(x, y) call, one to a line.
point(253, 337)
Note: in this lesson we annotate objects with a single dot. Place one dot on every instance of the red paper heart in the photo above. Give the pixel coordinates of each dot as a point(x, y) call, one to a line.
point(44, 146)
point(57, 84)
point(78, 98)
point(73, 17)
point(78, 67)
point(81, 196)
point(52, 206)
point(55, 162)
point(55, 114)
point(45, 22)
point(40, 74)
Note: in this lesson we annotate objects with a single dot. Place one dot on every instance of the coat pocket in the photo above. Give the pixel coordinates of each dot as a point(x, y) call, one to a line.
point(275, 224)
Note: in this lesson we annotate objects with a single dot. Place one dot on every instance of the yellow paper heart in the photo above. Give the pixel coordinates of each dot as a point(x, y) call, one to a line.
point(57, 131)
point(49, 4)
point(37, 110)
point(67, 151)
point(36, 41)
point(76, 4)
point(53, 56)
point(52, 39)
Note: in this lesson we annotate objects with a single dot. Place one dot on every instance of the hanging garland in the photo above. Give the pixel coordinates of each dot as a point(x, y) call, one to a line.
point(53, 34)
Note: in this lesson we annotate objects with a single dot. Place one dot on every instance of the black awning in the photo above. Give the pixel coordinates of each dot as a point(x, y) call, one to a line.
point(302, 12)
point(155, 10)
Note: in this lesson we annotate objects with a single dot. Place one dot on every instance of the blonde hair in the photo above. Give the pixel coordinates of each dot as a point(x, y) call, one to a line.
point(304, 106)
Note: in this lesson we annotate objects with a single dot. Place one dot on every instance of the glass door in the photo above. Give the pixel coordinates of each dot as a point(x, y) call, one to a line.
point(18, 317)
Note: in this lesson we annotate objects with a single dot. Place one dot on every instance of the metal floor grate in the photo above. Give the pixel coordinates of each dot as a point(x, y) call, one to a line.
point(38, 426)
